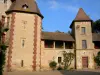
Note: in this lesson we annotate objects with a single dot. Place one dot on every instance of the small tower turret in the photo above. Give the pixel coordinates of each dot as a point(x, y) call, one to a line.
point(82, 32)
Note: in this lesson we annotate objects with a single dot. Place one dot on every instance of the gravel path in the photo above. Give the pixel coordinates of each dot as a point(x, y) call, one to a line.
point(54, 73)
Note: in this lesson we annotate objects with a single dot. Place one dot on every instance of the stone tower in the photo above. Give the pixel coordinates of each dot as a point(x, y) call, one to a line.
point(81, 30)
point(24, 35)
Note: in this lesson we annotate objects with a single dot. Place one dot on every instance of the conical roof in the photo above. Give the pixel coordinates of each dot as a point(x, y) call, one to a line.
point(30, 7)
point(81, 15)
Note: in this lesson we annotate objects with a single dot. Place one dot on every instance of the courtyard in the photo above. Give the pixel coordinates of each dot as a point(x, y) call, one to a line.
point(92, 72)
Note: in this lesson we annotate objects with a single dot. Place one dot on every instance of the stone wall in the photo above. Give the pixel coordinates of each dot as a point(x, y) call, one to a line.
point(22, 27)
point(50, 54)
point(80, 52)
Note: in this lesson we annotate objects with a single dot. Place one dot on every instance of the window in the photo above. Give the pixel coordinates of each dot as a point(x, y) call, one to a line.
point(68, 45)
point(24, 24)
point(84, 44)
point(22, 63)
point(49, 44)
point(23, 42)
point(83, 30)
point(25, 6)
point(59, 44)
point(59, 59)
point(96, 44)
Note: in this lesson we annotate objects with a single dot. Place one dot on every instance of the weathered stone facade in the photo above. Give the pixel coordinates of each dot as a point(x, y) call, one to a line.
point(33, 45)
point(27, 49)
point(50, 54)
point(90, 47)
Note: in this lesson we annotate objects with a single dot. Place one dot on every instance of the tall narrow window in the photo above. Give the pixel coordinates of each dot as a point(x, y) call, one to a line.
point(22, 63)
point(59, 59)
point(23, 42)
point(24, 24)
point(83, 30)
point(84, 44)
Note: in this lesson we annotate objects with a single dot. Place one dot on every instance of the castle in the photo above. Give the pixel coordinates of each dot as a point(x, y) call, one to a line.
point(31, 49)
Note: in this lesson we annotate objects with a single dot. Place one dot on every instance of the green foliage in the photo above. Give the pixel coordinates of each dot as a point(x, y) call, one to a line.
point(68, 57)
point(58, 31)
point(98, 53)
point(71, 68)
point(5, 29)
point(96, 26)
point(2, 61)
point(59, 68)
point(3, 48)
point(97, 59)
point(53, 65)
point(69, 32)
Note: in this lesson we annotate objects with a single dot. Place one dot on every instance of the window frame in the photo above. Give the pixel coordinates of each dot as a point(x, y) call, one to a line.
point(48, 45)
point(68, 45)
point(23, 40)
point(59, 44)
point(24, 24)
point(59, 60)
point(83, 30)
point(84, 44)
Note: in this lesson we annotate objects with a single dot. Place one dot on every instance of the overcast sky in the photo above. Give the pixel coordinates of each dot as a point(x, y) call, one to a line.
point(58, 14)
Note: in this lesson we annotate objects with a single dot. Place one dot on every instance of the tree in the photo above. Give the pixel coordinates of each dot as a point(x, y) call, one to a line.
point(53, 65)
point(58, 31)
point(68, 57)
point(3, 46)
point(69, 32)
point(96, 26)
point(97, 59)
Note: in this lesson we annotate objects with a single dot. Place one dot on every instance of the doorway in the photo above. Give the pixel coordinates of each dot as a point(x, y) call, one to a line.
point(85, 62)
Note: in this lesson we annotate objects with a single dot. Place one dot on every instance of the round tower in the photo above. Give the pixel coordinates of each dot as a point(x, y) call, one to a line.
point(24, 35)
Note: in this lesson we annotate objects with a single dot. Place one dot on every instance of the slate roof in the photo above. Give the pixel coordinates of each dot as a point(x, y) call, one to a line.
point(60, 36)
point(81, 16)
point(17, 6)
point(56, 36)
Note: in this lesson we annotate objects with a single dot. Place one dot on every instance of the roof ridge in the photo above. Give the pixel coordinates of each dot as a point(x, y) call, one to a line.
point(55, 32)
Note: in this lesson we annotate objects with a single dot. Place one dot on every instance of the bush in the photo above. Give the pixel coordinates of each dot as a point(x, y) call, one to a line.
point(68, 58)
point(53, 65)
point(97, 59)
point(71, 69)
point(59, 68)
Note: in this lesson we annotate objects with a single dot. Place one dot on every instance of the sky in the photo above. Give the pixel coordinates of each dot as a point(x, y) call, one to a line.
point(58, 14)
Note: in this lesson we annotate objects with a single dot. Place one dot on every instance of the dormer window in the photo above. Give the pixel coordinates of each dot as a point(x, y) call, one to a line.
point(25, 6)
